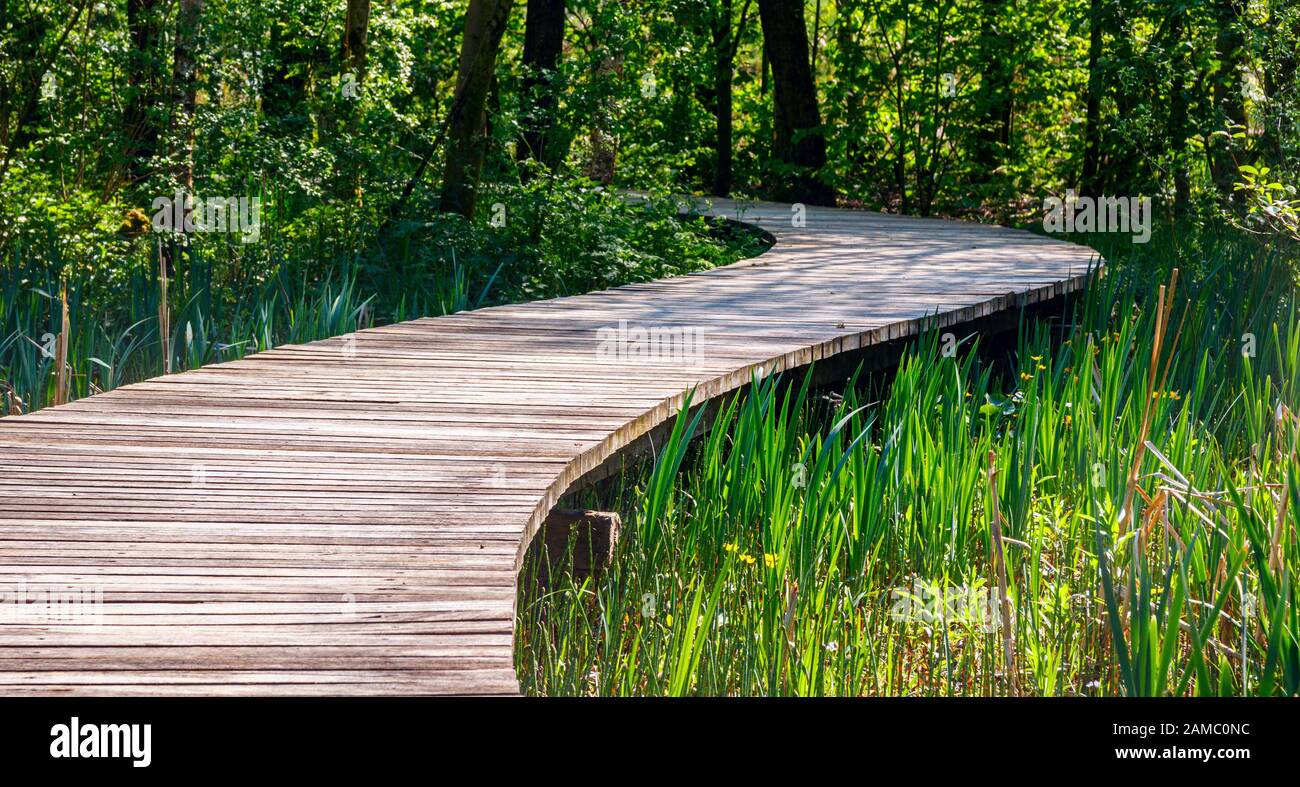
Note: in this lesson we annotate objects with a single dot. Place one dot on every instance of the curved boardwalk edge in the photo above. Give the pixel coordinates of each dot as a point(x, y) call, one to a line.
point(349, 516)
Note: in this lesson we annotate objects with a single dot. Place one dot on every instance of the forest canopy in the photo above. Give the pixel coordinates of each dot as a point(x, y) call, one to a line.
point(370, 114)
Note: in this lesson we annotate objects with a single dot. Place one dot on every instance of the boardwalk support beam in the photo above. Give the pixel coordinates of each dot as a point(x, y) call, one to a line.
point(589, 535)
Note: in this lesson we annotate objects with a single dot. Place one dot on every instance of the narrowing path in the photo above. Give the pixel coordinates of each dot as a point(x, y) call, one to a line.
point(349, 516)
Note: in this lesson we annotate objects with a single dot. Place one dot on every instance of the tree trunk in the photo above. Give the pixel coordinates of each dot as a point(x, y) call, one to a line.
point(543, 43)
point(722, 112)
point(141, 119)
point(726, 44)
point(723, 65)
point(345, 77)
point(485, 22)
point(798, 139)
point(183, 82)
point(355, 27)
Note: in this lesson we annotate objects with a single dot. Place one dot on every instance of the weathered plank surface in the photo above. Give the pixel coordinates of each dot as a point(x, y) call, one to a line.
point(348, 516)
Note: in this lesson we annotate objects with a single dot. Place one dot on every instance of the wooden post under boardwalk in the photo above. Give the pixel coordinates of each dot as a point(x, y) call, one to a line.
point(593, 535)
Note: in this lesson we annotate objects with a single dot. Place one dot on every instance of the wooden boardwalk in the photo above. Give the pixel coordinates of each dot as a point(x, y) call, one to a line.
point(348, 516)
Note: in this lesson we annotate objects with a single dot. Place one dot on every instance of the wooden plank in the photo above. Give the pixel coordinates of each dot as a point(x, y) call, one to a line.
point(348, 516)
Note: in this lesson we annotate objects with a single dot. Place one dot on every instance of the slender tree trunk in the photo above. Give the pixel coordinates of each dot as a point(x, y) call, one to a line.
point(1092, 112)
point(723, 66)
point(722, 164)
point(726, 45)
point(543, 44)
point(798, 140)
point(345, 77)
point(184, 85)
point(485, 22)
point(142, 121)
point(356, 25)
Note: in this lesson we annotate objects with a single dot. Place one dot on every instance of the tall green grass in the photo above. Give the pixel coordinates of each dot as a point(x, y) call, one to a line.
point(316, 276)
point(799, 547)
point(113, 332)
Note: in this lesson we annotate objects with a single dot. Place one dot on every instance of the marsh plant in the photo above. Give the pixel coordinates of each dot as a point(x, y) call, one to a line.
point(1124, 494)
point(132, 304)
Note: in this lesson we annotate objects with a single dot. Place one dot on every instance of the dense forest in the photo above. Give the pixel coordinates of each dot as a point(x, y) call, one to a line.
point(184, 182)
point(361, 130)
point(935, 107)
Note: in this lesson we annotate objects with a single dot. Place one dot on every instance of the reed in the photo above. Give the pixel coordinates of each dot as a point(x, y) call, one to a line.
point(1113, 515)
point(131, 317)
